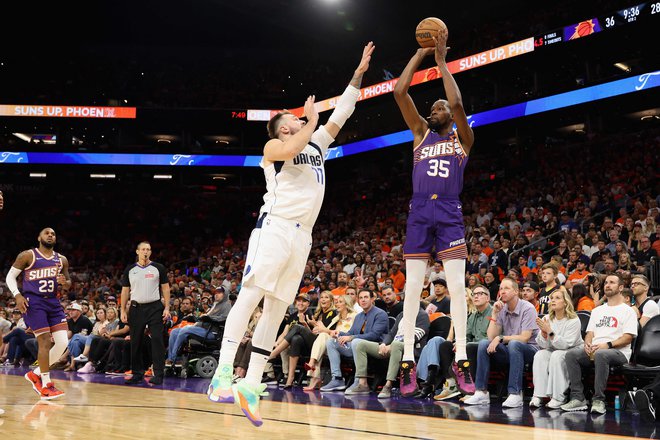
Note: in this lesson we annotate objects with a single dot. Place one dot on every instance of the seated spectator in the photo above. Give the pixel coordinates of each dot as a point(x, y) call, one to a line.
point(439, 299)
point(217, 314)
point(78, 341)
point(300, 337)
point(111, 323)
point(391, 347)
point(646, 308)
point(511, 340)
point(244, 351)
point(389, 302)
point(371, 324)
point(438, 354)
point(560, 330)
point(530, 293)
point(341, 322)
point(581, 298)
point(644, 254)
point(491, 283)
point(14, 341)
point(101, 348)
point(549, 274)
point(610, 331)
point(580, 273)
point(78, 325)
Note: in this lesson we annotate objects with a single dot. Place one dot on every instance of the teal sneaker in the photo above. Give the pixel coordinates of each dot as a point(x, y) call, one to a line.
point(247, 397)
point(220, 388)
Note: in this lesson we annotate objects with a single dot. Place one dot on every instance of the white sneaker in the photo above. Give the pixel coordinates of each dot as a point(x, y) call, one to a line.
point(513, 401)
point(536, 402)
point(478, 398)
point(555, 404)
point(81, 358)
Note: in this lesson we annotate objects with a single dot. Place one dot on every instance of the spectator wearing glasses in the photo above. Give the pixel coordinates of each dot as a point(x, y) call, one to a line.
point(477, 329)
point(643, 256)
point(646, 308)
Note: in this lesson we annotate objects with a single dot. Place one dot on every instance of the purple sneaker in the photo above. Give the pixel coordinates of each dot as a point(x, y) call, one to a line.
point(461, 372)
point(408, 380)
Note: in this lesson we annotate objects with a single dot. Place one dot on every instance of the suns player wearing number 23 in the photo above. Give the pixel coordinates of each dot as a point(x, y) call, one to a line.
point(43, 271)
point(435, 221)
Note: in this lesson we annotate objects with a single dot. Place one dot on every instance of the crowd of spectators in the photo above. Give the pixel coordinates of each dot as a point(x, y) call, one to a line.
point(542, 227)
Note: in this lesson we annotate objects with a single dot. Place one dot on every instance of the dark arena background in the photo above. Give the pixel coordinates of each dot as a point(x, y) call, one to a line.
point(128, 121)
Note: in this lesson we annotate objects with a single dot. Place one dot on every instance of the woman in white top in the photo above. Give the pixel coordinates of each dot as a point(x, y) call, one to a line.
point(560, 330)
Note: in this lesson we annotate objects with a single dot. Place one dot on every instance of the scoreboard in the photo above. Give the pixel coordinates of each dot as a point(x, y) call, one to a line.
point(597, 24)
point(630, 15)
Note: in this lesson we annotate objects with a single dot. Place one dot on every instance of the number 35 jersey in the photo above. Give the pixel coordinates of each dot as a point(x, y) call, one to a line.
point(295, 187)
point(41, 276)
point(439, 163)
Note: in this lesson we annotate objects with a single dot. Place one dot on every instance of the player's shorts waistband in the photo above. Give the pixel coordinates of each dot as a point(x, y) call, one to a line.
point(294, 223)
point(424, 196)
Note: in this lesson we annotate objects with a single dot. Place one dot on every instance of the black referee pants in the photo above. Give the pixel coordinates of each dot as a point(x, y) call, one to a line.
point(140, 316)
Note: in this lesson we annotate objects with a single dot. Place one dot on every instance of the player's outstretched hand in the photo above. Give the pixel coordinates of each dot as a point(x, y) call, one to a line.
point(440, 50)
point(366, 58)
point(311, 113)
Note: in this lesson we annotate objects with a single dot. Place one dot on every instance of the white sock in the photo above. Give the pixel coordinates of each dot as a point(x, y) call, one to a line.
point(37, 371)
point(237, 322)
point(264, 337)
point(455, 273)
point(45, 378)
point(415, 271)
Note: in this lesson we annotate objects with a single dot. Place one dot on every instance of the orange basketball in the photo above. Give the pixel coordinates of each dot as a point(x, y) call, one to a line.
point(428, 28)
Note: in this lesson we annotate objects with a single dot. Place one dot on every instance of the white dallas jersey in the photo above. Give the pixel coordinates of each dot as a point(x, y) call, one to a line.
point(295, 188)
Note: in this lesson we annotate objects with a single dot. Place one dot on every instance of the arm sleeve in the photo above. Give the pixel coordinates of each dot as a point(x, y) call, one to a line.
point(11, 280)
point(322, 138)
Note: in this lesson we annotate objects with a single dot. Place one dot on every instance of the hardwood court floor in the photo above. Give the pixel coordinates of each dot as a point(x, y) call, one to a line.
point(179, 411)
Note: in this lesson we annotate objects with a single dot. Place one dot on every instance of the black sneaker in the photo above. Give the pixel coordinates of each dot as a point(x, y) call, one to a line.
point(644, 406)
point(134, 380)
point(269, 380)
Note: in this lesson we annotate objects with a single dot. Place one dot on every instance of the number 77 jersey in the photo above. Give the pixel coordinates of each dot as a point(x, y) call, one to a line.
point(295, 187)
point(41, 276)
point(439, 163)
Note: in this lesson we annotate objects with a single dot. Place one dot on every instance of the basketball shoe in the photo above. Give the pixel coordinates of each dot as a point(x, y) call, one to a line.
point(220, 387)
point(408, 380)
point(35, 381)
point(247, 396)
point(49, 392)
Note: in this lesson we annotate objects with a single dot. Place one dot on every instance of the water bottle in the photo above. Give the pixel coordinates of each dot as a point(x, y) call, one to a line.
point(617, 402)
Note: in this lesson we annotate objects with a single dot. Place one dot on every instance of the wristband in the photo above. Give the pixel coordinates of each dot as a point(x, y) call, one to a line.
point(490, 318)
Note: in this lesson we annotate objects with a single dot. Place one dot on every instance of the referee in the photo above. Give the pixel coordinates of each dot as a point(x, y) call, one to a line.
point(143, 282)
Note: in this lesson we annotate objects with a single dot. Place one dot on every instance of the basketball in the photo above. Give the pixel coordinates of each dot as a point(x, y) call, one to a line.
point(428, 28)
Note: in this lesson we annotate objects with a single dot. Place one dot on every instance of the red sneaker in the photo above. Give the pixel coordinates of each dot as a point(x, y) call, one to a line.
point(49, 392)
point(35, 381)
point(150, 372)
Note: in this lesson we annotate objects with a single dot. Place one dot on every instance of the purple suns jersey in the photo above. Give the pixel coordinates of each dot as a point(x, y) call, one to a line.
point(41, 276)
point(439, 162)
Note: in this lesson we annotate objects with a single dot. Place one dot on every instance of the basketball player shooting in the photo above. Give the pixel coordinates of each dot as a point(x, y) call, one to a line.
point(435, 220)
point(44, 270)
point(293, 164)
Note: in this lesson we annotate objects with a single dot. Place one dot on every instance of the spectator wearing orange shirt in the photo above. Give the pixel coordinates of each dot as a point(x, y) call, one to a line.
point(398, 278)
point(342, 284)
point(579, 274)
